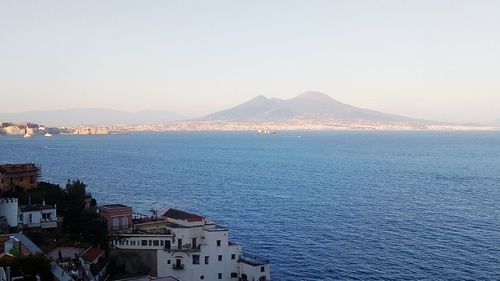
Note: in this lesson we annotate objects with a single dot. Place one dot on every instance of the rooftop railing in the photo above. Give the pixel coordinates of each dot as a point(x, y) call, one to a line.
point(253, 259)
point(215, 228)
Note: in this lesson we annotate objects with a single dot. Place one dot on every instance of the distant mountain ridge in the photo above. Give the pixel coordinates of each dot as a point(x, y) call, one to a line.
point(91, 116)
point(307, 106)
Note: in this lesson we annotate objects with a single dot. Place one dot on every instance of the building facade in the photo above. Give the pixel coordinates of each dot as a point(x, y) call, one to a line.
point(9, 210)
point(38, 216)
point(23, 175)
point(192, 247)
point(14, 130)
point(118, 217)
point(94, 264)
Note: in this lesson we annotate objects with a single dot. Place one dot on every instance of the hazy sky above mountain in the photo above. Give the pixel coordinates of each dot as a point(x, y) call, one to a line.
point(426, 59)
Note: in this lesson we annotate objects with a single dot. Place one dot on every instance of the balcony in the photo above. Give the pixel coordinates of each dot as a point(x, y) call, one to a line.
point(213, 228)
point(185, 249)
point(253, 260)
point(178, 266)
point(49, 224)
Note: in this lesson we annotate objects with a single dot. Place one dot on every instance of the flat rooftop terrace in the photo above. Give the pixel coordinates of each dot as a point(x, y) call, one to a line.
point(114, 206)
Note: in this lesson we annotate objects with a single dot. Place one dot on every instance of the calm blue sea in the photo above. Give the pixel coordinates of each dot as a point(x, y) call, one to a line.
point(322, 206)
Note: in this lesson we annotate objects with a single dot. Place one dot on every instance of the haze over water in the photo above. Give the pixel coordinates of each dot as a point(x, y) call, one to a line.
point(325, 206)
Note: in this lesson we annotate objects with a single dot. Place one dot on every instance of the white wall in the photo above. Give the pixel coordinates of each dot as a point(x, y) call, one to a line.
point(208, 247)
point(9, 209)
point(37, 217)
point(254, 272)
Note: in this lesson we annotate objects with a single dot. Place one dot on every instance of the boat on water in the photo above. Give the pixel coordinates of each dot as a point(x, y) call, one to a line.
point(266, 131)
point(27, 135)
point(48, 135)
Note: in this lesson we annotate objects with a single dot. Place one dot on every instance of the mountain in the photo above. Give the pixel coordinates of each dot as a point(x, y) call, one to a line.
point(307, 106)
point(91, 116)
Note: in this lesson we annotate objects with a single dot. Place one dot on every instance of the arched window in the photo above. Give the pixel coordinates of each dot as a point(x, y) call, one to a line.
point(116, 224)
point(125, 222)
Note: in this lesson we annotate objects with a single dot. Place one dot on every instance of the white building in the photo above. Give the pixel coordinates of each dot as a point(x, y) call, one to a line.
point(94, 264)
point(38, 215)
point(9, 210)
point(192, 247)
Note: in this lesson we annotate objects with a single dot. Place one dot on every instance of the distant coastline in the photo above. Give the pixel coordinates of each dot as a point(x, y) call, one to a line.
point(312, 111)
point(298, 125)
point(228, 126)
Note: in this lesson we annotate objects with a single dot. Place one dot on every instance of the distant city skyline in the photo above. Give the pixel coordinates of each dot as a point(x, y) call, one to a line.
point(437, 60)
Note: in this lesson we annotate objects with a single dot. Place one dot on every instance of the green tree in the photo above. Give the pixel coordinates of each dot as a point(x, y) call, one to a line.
point(30, 266)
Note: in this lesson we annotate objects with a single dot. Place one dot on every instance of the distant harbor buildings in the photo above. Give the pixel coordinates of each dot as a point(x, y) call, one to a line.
point(90, 131)
point(27, 129)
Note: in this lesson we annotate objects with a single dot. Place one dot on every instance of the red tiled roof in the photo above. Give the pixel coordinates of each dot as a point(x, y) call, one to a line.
point(18, 168)
point(7, 255)
point(91, 254)
point(181, 215)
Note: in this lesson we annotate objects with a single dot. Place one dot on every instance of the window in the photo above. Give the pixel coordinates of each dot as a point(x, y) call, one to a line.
point(116, 224)
point(218, 243)
point(196, 259)
point(162, 242)
point(144, 242)
point(262, 269)
point(202, 277)
point(150, 242)
point(262, 278)
point(31, 180)
point(206, 259)
point(126, 242)
point(234, 275)
point(156, 243)
point(30, 218)
point(233, 256)
point(20, 179)
point(168, 261)
point(219, 276)
point(220, 257)
point(125, 222)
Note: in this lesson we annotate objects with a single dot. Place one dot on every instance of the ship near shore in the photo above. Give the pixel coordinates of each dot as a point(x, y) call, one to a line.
point(266, 131)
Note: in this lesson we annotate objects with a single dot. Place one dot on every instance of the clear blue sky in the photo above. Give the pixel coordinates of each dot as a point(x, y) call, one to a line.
point(428, 59)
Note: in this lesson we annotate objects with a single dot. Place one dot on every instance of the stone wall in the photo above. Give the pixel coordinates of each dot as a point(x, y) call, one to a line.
point(135, 261)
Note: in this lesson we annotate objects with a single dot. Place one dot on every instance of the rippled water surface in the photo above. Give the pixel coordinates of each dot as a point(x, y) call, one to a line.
point(322, 206)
